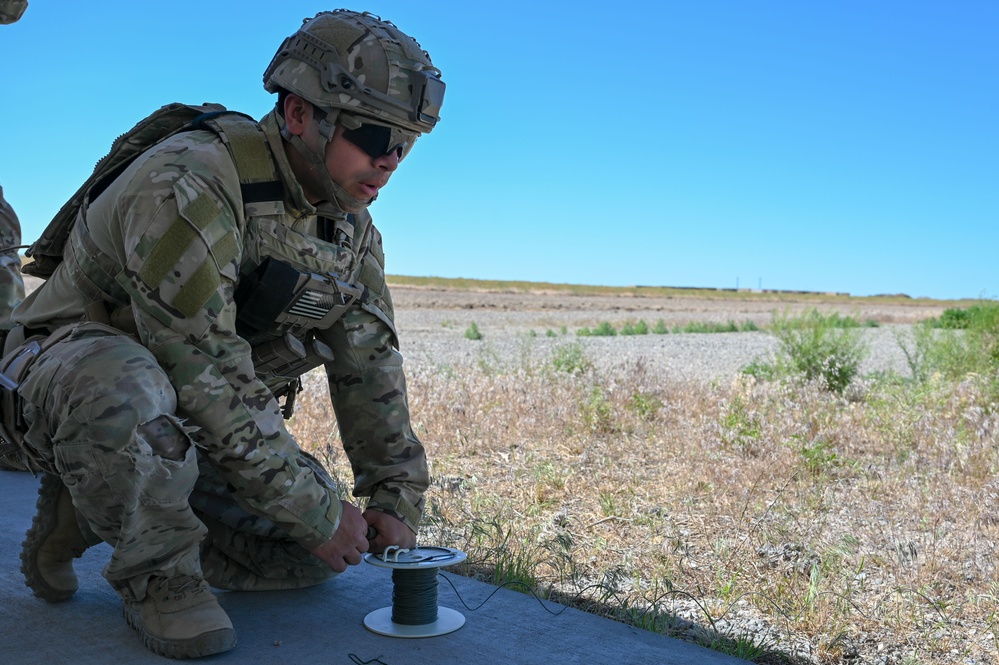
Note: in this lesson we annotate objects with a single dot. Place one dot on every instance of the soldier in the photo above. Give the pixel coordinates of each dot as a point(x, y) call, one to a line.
point(11, 288)
point(196, 286)
point(11, 282)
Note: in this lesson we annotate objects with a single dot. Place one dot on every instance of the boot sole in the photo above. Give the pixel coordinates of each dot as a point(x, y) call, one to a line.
point(206, 644)
point(42, 525)
point(8, 464)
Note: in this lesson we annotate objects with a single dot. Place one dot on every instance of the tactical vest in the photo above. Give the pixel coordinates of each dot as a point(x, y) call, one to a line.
point(290, 283)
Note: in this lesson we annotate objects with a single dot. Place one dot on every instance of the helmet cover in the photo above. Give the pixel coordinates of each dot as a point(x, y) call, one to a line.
point(12, 10)
point(358, 63)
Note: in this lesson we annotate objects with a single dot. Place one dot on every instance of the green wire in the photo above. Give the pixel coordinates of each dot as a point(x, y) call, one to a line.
point(414, 596)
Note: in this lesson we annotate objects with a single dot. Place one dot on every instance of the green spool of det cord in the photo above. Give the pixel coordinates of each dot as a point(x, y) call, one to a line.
point(414, 611)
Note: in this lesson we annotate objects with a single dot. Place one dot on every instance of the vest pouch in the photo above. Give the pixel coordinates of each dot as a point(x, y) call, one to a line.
point(289, 357)
point(277, 298)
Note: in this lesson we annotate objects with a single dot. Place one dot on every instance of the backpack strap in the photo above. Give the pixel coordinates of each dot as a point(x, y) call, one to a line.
point(259, 183)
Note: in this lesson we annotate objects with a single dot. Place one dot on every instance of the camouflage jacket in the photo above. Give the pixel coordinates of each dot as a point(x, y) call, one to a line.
point(176, 233)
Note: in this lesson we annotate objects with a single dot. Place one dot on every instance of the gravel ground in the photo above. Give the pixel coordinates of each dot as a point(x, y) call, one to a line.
point(516, 328)
point(436, 337)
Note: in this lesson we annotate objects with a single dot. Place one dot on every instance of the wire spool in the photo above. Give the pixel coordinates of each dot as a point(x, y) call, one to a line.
point(414, 611)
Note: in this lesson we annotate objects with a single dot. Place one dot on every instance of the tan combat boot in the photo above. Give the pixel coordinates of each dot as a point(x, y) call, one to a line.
point(52, 542)
point(180, 618)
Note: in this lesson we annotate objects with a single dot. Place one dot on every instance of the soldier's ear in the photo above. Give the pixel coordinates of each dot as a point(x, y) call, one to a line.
point(297, 114)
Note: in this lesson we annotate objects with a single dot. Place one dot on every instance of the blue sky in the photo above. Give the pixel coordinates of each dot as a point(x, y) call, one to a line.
point(841, 146)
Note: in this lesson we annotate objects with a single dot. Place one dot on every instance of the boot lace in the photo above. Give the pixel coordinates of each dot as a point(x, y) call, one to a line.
point(178, 587)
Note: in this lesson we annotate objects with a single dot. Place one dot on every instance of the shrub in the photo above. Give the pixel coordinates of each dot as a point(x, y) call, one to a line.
point(818, 347)
point(640, 328)
point(728, 326)
point(646, 405)
point(696, 327)
point(472, 332)
point(952, 319)
point(570, 358)
point(960, 343)
point(761, 369)
point(605, 329)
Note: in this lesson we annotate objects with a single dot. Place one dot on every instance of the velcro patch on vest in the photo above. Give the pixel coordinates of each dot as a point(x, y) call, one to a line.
point(373, 277)
point(187, 262)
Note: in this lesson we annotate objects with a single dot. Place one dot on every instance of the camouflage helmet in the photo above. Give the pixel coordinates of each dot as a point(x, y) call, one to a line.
point(357, 63)
point(12, 10)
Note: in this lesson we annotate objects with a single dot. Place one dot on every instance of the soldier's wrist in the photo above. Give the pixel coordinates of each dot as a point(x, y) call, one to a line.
point(394, 504)
point(323, 532)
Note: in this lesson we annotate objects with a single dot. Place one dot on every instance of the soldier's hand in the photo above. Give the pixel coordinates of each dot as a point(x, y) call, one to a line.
point(388, 531)
point(348, 543)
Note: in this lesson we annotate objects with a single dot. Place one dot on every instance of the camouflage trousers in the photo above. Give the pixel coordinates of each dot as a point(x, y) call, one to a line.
point(100, 413)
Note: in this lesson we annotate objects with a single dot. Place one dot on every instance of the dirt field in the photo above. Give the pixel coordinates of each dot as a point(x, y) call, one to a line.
point(674, 310)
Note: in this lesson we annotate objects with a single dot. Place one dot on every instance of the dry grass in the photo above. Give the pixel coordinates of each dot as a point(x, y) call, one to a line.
point(862, 525)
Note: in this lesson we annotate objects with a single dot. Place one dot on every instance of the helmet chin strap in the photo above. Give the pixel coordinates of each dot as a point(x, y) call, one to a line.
point(331, 191)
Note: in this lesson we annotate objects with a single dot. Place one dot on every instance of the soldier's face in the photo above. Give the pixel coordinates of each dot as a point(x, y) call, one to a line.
point(361, 175)
point(349, 166)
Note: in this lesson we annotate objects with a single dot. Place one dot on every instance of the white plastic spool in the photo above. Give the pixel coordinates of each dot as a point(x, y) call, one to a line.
point(419, 558)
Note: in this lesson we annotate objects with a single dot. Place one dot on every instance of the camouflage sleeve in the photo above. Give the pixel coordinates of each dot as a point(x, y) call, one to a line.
point(368, 389)
point(11, 282)
point(180, 243)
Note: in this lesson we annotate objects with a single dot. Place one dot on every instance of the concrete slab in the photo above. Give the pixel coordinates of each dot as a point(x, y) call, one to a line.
point(319, 625)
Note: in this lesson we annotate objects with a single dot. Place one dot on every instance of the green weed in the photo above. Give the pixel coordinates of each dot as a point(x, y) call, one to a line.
point(605, 329)
point(472, 332)
point(817, 455)
point(598, 412)
point(570, 358)
point(640, 328)
point(645, 404)
point(963, 343)
point(826, 348)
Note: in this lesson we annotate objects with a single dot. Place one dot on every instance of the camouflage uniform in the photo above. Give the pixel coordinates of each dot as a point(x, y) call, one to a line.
point(11, 281)
point(126, 421)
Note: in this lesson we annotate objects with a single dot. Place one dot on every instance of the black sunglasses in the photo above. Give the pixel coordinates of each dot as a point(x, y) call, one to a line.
point(374, 140)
